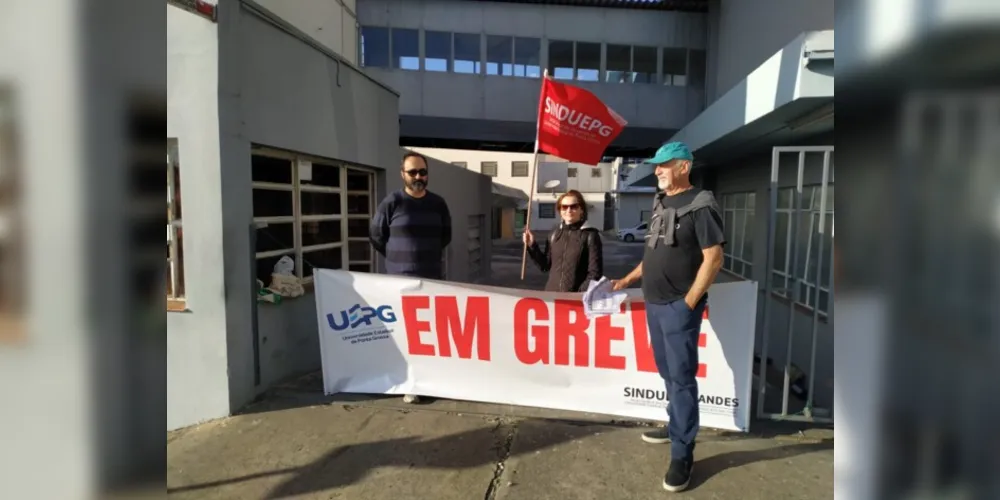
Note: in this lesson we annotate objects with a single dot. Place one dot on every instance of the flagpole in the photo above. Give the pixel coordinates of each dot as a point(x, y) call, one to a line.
point(534, 172)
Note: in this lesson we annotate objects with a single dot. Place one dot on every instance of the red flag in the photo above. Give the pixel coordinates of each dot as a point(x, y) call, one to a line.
point(574, 124)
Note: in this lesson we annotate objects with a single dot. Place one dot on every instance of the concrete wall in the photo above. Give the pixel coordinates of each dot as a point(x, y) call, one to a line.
point(751, 31)
point(275, 87)
point(753, 174)
point(333, 23)
point(280, 90)
point(469, 194)
point(474, 97)
point(197, 381)
point(288, 339)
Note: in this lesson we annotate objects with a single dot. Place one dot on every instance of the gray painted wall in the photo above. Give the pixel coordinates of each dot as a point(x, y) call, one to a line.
point(508, 99)
point(753, 174)
point(750, 31)
point(288, 339)
point(468, 193)
point(277, 90)
point(197, 382)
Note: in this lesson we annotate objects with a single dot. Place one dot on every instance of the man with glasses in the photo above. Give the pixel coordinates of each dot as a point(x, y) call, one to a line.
point(683, 254)
point(411, 227)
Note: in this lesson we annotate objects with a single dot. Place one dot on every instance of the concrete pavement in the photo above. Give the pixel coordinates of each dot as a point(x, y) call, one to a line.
point(297, 443)
point(379, 448)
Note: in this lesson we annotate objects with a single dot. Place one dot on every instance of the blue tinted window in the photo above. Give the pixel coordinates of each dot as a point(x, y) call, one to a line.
point(561, 60)
point(527, 57)
point(437, 50)
point(588, 62)
point(619, 63)
point(405, 49)
point(675, 67)
point(499, 55)
point(374, 47)
point(467, 58)
point(644, 64)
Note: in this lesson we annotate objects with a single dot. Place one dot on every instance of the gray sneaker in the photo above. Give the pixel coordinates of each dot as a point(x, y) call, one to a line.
point(411, 398)
point(656, 436)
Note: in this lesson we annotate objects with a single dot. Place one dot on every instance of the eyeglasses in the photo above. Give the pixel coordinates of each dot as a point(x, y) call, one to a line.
point(571, 206)
point(419, 172)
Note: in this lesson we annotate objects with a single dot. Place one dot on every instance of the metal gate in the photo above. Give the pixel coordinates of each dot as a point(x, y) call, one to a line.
point(798, 285)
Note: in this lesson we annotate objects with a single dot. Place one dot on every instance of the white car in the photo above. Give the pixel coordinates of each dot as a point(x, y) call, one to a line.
point(633, 233)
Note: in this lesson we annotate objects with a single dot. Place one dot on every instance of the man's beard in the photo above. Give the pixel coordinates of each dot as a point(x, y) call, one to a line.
point(662, 183)
point(416, 185)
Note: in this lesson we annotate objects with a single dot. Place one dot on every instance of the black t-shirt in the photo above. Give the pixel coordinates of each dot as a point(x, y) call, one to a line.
point(668, 271)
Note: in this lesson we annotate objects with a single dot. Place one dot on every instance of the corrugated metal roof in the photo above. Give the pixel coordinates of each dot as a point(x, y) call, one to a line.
point(680, 5)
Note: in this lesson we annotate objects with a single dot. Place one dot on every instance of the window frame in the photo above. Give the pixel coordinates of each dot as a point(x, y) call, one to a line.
point(733, 250)
point(546, 204)
point(175, 243)
point(627, 75)
point(523, 67)
point(394, 59)
point(572, 59)
point(514, 169)
point(298, 250)
point(449, 59)
point(571, 172)
point(461, 164)
point(504, 69)
point(674, 79)
point(643, 77)
point(363, 49)
point(599, 78)
point(484, 164)
point(477, 64)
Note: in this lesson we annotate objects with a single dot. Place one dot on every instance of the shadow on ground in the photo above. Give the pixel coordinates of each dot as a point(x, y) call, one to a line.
point(716, 464)
point(307, 390)
point(349, 464)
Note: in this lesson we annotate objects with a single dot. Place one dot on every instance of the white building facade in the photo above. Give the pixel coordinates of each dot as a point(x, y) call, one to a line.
point(514, 170)
point(468, 72)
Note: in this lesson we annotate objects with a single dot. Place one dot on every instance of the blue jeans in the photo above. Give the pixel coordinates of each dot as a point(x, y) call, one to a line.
point(673, 334)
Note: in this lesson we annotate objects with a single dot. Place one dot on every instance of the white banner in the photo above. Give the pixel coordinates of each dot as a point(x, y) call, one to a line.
point(391, 335)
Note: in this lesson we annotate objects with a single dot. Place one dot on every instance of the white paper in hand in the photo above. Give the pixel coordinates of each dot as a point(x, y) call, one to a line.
point(601, 300)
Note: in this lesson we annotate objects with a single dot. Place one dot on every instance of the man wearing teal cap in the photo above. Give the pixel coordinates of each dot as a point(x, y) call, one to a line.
point(682, 256)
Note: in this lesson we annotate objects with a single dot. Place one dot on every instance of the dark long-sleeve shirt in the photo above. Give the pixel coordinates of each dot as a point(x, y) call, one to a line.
point(411, 233)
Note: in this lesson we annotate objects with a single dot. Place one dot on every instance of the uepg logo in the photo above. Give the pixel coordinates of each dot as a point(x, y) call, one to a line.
point(360, 315)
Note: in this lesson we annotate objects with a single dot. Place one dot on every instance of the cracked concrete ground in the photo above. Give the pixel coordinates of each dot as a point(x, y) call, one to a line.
point(380, 448)
point(297, 443)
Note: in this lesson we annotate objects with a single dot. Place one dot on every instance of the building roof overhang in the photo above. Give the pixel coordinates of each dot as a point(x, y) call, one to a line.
point(786, 99)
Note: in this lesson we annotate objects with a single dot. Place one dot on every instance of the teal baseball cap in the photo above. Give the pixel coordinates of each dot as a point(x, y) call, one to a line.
point(671, 151)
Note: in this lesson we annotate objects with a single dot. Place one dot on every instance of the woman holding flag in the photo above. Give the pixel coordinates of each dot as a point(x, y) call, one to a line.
point(573, 254)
